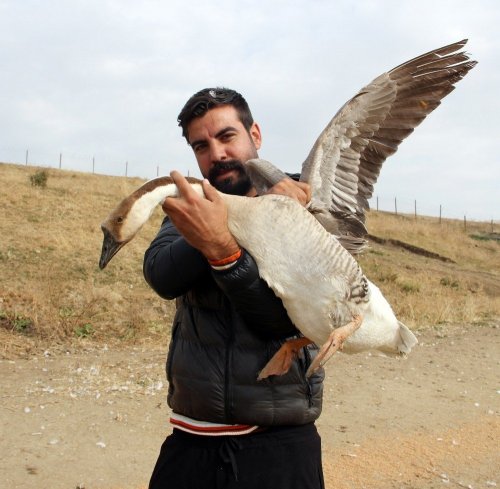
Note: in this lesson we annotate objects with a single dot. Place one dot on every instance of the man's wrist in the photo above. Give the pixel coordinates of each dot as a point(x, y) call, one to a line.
point(220, 251)
point(227, 262)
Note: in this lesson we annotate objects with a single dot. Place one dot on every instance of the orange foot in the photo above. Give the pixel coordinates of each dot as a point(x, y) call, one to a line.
point(283, 358)
point(335, 342)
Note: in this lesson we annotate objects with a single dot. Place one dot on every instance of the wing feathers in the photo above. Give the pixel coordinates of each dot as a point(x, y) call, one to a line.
point(346, 159)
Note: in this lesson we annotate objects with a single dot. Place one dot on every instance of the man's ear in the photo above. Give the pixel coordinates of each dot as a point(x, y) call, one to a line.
point(256, 135)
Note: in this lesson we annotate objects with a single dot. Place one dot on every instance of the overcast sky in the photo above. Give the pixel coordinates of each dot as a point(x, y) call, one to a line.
point(107, 79)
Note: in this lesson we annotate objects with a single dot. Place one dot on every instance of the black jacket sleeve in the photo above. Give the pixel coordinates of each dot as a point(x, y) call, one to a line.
point(172, 267)
point(253, 299)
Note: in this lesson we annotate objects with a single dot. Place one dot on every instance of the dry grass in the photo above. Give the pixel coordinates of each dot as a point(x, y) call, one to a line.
point(429, 292)
point(52, 291)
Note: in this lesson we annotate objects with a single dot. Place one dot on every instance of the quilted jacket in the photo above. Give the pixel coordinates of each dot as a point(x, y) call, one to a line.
point(228, 324)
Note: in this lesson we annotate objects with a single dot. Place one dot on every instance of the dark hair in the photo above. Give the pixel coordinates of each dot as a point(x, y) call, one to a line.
point(208, 98)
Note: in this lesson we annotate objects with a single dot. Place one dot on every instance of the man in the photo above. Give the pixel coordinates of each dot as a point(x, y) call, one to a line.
point(230, 430)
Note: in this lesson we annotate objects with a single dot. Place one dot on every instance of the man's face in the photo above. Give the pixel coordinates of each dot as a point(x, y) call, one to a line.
point(222, 145)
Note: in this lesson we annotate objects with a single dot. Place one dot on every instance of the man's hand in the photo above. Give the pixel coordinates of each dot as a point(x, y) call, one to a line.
point(300, 191)
point(202, 222)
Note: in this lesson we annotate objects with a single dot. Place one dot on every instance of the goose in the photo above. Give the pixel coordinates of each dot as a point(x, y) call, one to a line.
point(326, 294)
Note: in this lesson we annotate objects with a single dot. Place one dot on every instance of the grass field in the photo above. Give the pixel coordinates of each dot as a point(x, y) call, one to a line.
point(52, 291)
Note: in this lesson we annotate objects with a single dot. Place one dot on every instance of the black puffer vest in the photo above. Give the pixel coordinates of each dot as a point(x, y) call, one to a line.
point(220, 343)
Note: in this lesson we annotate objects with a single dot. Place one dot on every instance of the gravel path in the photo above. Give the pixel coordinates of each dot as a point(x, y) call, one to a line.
point(96, 419)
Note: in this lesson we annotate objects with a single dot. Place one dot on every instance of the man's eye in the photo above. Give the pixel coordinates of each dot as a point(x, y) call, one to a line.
point(227, 137)
point(199, 148)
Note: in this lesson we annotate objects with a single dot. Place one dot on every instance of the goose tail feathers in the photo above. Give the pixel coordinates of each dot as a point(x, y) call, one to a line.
point(408, 339)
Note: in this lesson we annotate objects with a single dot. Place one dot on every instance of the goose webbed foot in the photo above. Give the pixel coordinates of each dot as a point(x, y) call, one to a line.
point(283, 358)
point(334, 343)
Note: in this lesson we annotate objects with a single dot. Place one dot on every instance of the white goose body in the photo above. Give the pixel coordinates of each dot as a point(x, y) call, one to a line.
point(321, 285)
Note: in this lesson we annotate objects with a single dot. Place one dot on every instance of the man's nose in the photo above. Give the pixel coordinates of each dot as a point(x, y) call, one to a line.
point(218, 152)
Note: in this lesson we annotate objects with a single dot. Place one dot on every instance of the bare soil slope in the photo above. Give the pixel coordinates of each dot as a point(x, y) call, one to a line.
point(95, 419)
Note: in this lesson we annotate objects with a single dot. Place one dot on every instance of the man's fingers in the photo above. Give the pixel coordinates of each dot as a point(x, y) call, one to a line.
point(210, 191)
point(185, 190)
point(307, 190)
point(173, 203)
point(300, 191)
point(169, 204)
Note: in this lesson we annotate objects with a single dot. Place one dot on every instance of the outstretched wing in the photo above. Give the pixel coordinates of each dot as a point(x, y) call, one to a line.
point(345, 162)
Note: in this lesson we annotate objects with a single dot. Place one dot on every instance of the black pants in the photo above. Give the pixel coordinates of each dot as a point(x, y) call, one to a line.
point(287, 457)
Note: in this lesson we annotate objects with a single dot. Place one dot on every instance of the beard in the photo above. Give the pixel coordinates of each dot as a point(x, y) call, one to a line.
point(234, 185)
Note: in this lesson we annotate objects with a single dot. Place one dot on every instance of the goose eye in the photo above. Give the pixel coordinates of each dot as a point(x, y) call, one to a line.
point(119, 219)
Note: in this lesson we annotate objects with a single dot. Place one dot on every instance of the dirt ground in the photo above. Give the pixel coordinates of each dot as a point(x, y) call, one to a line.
point(95, 419)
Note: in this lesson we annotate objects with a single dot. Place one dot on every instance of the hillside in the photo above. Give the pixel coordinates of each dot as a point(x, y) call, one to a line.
point(52, 291)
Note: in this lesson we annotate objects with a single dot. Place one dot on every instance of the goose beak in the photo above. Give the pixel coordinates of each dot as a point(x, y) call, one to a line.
point(109, 248)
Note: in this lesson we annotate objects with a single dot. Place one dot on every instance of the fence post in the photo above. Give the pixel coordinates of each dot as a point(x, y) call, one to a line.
point(60, 160)
point(26, 157)
point(158, 170)
point(126, 168)
point(395, 206)
point(415, 209)
point(377, 203)
point(93, 164)
point(465, 223)
point(440, 214)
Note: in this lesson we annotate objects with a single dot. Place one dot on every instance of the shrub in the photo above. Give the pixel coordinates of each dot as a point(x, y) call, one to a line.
point(22, 324)
point(84, 331)
point(409, 288)
point(448, 282)
point(16, 323)
point(39, 179)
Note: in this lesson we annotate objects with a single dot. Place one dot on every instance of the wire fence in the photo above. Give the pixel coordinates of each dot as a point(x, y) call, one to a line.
point(90, 164)
point(412, 208)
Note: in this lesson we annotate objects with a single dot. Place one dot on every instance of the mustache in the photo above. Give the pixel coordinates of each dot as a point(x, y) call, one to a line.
point(240, 185)
point(220, 167)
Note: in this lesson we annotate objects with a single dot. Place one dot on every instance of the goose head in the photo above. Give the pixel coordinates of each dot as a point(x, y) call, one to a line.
point(126, 220)
point(118, 229)
point(122, 225)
